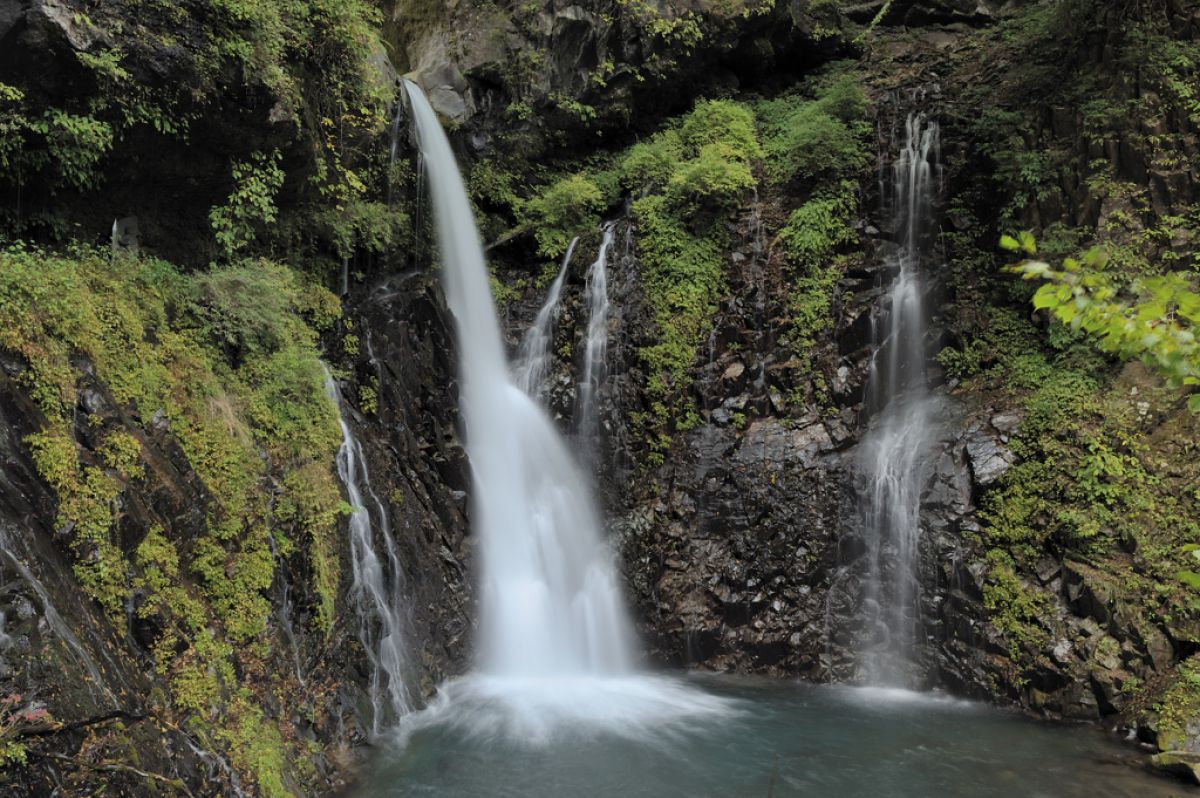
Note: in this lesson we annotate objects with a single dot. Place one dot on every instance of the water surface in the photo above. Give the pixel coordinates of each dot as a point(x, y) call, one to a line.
point(747, 737)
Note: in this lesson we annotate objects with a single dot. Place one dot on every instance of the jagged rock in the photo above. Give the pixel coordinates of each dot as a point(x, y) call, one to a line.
point(989, 458)
point(438, 74)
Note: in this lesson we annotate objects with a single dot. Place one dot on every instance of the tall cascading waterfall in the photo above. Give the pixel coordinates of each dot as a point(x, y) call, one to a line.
point(596, 346)
point(892, 460)
point(377, 592)
point(534, 359)
point(550, 603)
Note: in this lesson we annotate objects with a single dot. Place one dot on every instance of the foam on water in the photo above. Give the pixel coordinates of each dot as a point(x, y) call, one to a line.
point(539, 711)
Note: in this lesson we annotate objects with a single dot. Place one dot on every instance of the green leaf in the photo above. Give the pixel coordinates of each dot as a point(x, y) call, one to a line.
point(1046, 296)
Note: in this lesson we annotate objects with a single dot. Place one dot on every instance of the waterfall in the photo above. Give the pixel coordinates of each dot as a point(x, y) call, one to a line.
point(892, 452)
point(534, 360)
point(393, 148)
point(58, 626)
point(285, 608)
point(377, 592)
point(550, 603)
point(597, 340)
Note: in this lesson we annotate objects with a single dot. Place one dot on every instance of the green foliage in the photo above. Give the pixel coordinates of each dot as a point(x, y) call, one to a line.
point(649, 165)
point(362, 225)
point(810, 302)
point(678, 28)
point(822, 139)
point(1014, 608)
point(683, 278)
point(716, 178)
point(12, 721)
point(66, 147)
point(567, 208)
point(251, 204)
point(686, 177)
point(817, 147)
point(229, 360)
point(1155, 321)
point(724, 122)
point(257, 748)
point(87, 504)
point(1178, 706)
point(311, 58)
point(817, 228)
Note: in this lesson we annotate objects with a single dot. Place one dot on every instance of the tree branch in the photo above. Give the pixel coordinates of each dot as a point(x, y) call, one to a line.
point(112, 767)
point(63, 728)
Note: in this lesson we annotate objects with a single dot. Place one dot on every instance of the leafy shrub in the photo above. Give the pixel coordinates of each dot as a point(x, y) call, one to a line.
point(649, 165)
point(716, 178)
point(725, 122)
point(251, 205)
point(820, 139)
point(811, 145)
point(569, 206)
point(818, 227)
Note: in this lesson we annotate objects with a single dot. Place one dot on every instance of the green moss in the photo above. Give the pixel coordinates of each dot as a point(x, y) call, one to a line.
point(257, 748)
point(567, 208)
point(1013, 608)
point(1179, 706)
point(817, 228)
point(816, 140)
point(229, 358)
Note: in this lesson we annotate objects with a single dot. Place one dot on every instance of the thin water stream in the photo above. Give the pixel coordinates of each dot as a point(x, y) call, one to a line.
point(535, 357)
point(378, 588)
point(596, 345)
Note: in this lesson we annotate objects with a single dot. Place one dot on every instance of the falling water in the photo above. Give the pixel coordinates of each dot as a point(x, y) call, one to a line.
point(378, 597)
point(393, 148)
point(59, 627)
point(550, 601)
point(892, 451)
point(597, 340)
point(534, 360)
point(285, 608)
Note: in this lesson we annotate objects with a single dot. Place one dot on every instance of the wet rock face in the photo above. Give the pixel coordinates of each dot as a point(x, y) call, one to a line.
point(58, 652)
point(418, 465)
point(746, 544)
point(590, 74)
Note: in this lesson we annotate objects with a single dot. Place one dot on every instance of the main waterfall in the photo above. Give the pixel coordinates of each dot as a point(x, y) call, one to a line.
point(550, 603)
point(555, 645)
point(892, 452)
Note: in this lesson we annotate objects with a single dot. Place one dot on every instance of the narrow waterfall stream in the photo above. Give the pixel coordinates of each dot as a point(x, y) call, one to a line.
point(596, 346)
point(534, 359)
point(377, 591)
point(892, 452)
point(13, 555)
